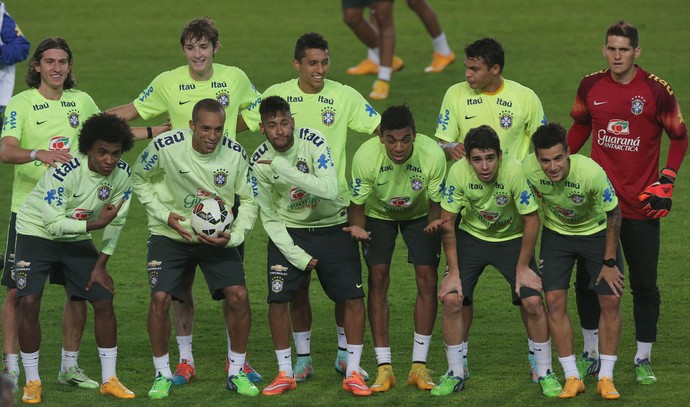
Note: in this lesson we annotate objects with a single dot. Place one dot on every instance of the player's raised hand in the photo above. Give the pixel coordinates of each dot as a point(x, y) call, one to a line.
point(221, 241)
point(458, 152)
point(108, 213)
point(312, 264)
point(526, 277)
point(100, 276)
point(54, 157)
point(614, 278)
point(357, 233)
point(174, 220)
point(435, 226)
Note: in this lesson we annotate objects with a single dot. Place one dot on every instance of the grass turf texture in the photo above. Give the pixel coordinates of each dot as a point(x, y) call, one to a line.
point(119, 47)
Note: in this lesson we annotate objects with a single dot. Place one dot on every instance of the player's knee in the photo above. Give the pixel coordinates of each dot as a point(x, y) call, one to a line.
point(236, 296)
point(11, 301)
point(452, 304)
point(352, 17)
point(533, 305)
point(160, 302)
point(103, 309)
point(354, 305)
point(29, 306)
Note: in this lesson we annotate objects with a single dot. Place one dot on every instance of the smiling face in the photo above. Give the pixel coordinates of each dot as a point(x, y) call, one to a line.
point(208, 130)
point(312, 69)
point(54, 67)
point(199, 54)
point(103, 157)
point(554, 161)
point(399, 144)
point(279, 130)
point(485, 164)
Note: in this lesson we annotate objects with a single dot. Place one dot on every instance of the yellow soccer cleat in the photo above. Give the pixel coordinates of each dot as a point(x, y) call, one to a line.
point(440, 62)
point(117, 389)
point(398, 64)
point(572, 387)
point(607, 390)
point(380, 90)
point(420, 376)
point(32, 392)
point(366, 67)
point(385, 380)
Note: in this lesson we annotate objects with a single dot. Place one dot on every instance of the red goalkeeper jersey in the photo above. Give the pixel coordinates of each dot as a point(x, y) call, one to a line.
point(627, 121)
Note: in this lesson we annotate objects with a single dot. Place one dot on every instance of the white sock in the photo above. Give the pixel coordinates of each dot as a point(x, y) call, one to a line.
point(10, 361)
point(162, 365)
point(465, 348)
point(420, 348)
point(383, 356)
point(591, 345)
point(227, 333)
point(542, 354)
point(236, 362)
point(108, 358)
point(69, 359)
point(373, 54)
point(644, 351)
point(284, 357)
point(184, 344)
point(441, 45)
point(454, 357)
point(607, 364)
point(30, 362)
point(385, 73)
point(569, 366)
point(530, 345)
point(302, 343)
point(354, 354)
point(342, 339)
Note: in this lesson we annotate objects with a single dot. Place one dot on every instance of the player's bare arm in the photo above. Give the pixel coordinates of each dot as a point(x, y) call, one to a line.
point(100, 275)
point(525, 276)
point(108, 213)
point(613, 277)
point(357, 222)
point(174, 222)
point(451, 281)
point(12, 153)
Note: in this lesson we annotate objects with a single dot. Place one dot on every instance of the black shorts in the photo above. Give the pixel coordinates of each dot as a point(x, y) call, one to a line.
point(356, 3)
point(167, 260)
point(475, 254)
point(339, 268)
point(423, 249)
point(559, 252)
point(36, 258)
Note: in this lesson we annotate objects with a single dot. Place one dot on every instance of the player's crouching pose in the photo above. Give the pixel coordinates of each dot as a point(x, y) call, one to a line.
point(499, 227)
point(581, 220)
point(91, 191)
point(397, 182)
point(176, 170)
point(304, 216)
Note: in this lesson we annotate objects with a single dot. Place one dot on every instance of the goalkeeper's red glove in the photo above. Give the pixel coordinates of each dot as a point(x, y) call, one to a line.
point(657, 197)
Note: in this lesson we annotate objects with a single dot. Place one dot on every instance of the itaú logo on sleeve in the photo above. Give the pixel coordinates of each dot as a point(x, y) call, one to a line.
point(58, 143)
point(618, 127)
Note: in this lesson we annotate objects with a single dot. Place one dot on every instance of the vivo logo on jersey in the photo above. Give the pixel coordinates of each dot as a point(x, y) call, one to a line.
point(11, 119)
point(62, 171)
point(145, 93)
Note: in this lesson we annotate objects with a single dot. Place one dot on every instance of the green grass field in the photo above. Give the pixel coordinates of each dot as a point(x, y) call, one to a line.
point(120, 46)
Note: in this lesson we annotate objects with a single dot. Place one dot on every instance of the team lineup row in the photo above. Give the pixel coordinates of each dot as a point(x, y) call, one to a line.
point(298, 181)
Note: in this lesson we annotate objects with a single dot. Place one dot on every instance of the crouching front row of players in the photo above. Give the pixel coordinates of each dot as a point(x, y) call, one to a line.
point(499, 227)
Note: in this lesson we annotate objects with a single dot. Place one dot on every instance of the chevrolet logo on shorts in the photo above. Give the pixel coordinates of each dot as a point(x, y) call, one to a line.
point(22, 263)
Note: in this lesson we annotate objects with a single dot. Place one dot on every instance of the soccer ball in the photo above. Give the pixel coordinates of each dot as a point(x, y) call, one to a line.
point(211, 216)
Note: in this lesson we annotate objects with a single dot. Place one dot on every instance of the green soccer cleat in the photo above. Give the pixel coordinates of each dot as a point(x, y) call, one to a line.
point(448, 384)
point(587, 366)
point(644, 372)
point(162, 386)
point(76, 377)
point(241, 384)
point(303, 369)
point(550, 386)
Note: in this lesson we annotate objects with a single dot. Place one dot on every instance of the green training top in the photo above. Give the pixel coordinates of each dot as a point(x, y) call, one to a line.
point(176, 92)
point(331, 112)
point(299, 189)
point(578, 204)
point(393, 191)
point(68, 196)
point(170, 176)
point(514, 111)
point(42, 124)
point(492, 210)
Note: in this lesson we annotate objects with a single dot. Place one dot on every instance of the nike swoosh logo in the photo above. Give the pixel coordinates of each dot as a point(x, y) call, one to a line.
point(351, 353)
point(287, 356)
point(276, 176)
point(77, 196)
point(40, 123)
point(470, 117)
point(421, 343)
point(358, 285)
point(599, 103)
point(381, 183)
point(183, 103)
point(185, 172)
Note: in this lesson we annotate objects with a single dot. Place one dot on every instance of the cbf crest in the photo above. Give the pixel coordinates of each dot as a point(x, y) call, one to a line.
point(154, 267)
point(505, 120)
point(577, 199)
point(637, 105)
point(501, 199)
point(328, 116)
point(220, 178)
point(223, 98)
point(104, 192)
point(417, 184)
point(20, 279)
point(302, 166)
point(73, 118)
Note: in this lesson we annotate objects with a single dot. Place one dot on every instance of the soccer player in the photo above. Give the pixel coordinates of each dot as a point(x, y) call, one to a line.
point(397, 183)
point(91, 191)
point(499, 227)
point(627, 109)
point(176, 92)
point(581, 220)
point(176, 171)
point(378, 35)
point(296, 187)
point(486, 98)
point(14, 48)
point(41, 126)
point(330, 108)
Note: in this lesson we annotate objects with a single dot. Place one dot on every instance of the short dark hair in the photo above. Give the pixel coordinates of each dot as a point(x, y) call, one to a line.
point(272, 105)
point(482, 138)
point(207, 105)
point(549, 135)
point(623, 29)
point(397, 117)
point(33, 78)
point(487, 49)
point(309, 41)
point(108, 128)
point(198, 29)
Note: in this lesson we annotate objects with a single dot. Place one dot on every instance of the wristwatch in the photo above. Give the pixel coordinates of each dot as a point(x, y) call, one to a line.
point(609, 262)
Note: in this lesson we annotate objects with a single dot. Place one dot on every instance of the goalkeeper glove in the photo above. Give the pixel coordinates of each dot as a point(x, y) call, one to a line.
point(657, 197)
